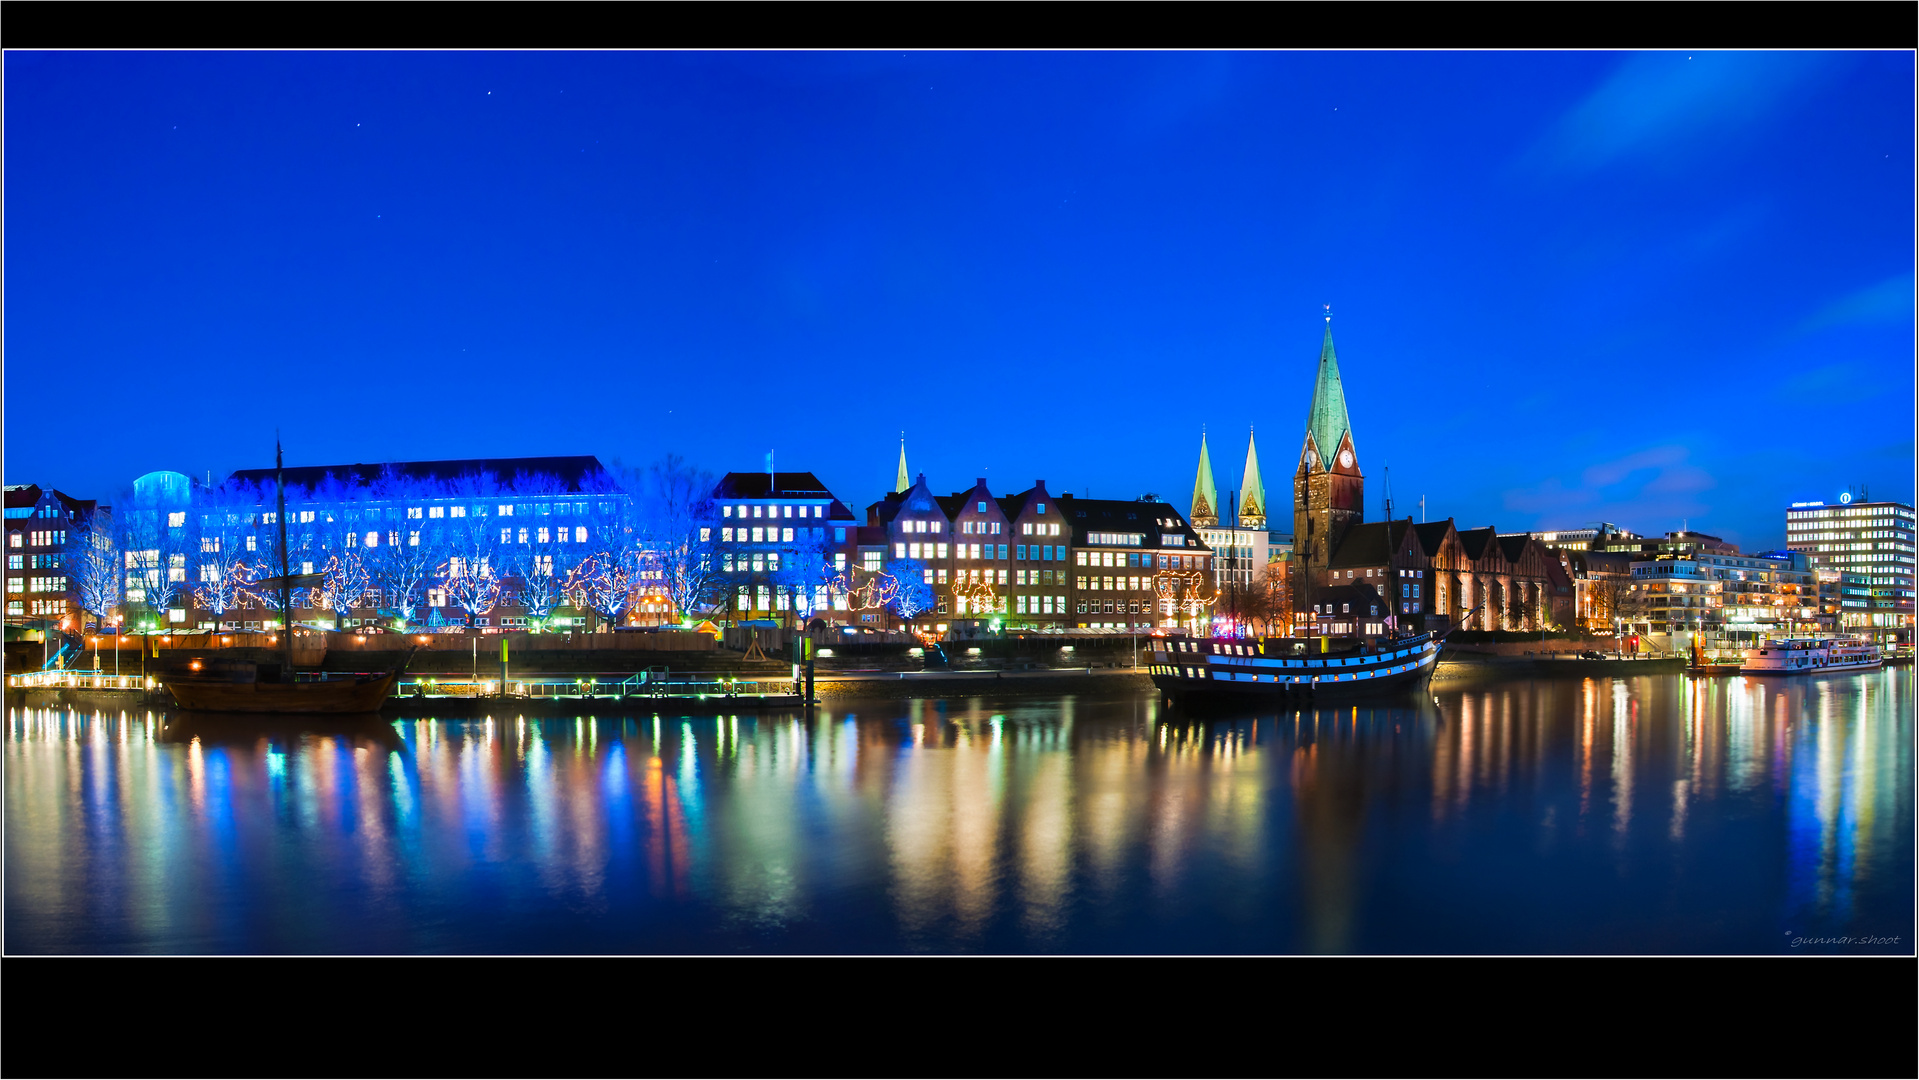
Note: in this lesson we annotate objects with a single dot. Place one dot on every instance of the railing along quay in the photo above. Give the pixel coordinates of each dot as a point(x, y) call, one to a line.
point(606, 686)
point(77, 680)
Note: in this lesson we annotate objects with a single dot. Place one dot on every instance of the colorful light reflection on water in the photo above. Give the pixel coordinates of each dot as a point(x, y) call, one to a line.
point(1658, 814)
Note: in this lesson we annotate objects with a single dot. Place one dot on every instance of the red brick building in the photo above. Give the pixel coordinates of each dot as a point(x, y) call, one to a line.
point(1358, 579)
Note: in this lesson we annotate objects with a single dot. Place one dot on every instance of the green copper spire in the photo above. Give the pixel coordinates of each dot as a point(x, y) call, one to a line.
point(1205, 495)
point(1252, 498)
point(1327, 421)
point(903, 482)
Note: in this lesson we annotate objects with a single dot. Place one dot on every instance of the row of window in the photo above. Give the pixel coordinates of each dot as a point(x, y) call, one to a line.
point(34, 562)
point(767, 598)
point(1106, 584)
point(763, 510)
point(54, 583)
point(38, 538)
point(37, 607)
point(1851, 511)
point(769, 535)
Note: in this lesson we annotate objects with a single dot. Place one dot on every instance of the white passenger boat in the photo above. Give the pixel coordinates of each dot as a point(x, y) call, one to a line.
point(1805, 656)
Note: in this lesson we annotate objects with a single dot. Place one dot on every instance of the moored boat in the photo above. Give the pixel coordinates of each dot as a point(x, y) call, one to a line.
point(1282, 670)
point(234, 685)
point(245, 686)
point(1808, 656)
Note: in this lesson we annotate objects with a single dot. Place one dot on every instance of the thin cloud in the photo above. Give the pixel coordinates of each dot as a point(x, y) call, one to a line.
point(1641, 490)
point(1890, 301)
point(1665, 103)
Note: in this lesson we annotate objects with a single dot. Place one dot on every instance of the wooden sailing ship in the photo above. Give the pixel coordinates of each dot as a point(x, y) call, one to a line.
point(227, 685)
point(1280, 670)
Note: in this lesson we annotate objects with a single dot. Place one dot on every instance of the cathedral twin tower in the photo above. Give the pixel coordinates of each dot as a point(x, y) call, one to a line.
point(1328, 488)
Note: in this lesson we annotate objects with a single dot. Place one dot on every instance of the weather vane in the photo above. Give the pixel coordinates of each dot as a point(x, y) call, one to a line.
point(1329, 312)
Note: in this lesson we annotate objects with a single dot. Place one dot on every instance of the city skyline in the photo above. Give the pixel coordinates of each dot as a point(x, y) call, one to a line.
point(416, 252)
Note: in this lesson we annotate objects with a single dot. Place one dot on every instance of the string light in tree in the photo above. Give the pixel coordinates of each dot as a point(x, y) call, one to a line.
point(1187, 590)
point(875, 592)
point(977, 595)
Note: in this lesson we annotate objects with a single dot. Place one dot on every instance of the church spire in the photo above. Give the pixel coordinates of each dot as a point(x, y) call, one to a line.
point(1205, 496)
point(902, 483)
point(1252, 500)
point(1327, 422)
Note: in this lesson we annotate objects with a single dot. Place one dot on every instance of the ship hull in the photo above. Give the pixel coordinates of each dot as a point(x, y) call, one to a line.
point(1810, 656)
point(1206, 675)
point(1828, 669)
point(361, 695)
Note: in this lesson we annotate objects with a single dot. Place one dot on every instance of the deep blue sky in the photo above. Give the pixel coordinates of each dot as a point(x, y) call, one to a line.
point(1565, 286)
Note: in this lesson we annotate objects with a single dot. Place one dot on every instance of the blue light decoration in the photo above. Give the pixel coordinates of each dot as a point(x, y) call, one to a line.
point(532, 542)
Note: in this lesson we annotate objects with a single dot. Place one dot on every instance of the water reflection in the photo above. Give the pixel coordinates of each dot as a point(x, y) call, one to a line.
point(1645, 815)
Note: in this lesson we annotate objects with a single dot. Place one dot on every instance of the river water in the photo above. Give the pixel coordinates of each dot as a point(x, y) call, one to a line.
point(1657, 814)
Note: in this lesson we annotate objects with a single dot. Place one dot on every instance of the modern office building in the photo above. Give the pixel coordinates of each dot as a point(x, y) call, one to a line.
point(1728, 601)
point(1872, 539)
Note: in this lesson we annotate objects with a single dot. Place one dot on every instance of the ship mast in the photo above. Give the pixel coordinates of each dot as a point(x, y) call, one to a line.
point(286, 587)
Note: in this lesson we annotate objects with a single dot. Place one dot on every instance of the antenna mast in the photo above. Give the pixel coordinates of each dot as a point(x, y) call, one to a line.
point(1389, 492)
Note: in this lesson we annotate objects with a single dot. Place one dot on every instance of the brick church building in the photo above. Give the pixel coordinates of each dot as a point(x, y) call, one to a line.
point(1353, 578)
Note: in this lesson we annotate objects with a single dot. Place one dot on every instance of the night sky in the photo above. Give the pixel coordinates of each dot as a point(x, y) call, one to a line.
point(1566, 287)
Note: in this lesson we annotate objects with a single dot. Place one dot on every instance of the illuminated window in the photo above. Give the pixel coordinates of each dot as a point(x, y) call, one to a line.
point(786, 535)
point(413, 538)
point(414, 511)
point(506, 509)
point(457, 511)
point(579, 534)
point(177, 520)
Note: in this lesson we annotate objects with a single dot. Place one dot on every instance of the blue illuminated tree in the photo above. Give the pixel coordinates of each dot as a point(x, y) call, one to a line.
point(674, 516)
point(541, 577)
point(471, 574)
point(223, 567)
point(92, 559)
point(603, 584)
point(347, 579)
point(807, 574)
point(405, 551)
point(915, 595)
point(153, 528)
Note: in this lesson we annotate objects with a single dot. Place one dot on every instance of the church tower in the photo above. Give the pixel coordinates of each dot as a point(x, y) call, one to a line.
point(1329, 492)
point(1252, 499)
point(1205, 513)
point(901, 483)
